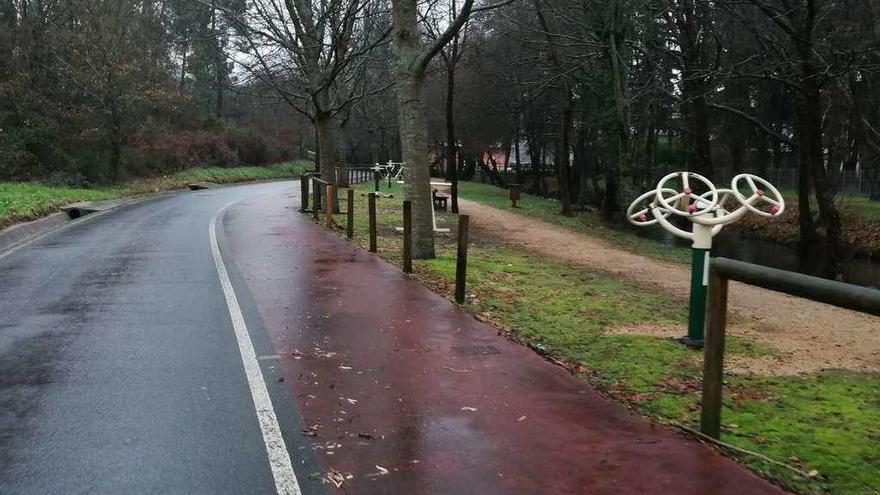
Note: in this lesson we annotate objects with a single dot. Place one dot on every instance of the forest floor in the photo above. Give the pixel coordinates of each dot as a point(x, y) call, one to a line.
point(23, 201)
point(607, 322)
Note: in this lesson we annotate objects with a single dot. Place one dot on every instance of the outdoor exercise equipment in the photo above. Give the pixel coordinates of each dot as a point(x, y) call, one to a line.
point(391, 171)
point(708, 211)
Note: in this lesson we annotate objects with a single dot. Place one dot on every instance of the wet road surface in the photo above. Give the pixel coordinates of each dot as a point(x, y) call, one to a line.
point(122, 371)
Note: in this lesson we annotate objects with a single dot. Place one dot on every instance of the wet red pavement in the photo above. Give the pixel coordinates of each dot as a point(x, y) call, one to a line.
point(396, 378)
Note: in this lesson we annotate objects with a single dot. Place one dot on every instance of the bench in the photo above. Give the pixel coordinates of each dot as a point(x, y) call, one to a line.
point(439, 200)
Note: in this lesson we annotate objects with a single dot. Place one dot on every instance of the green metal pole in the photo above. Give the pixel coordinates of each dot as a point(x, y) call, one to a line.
point(699, 283)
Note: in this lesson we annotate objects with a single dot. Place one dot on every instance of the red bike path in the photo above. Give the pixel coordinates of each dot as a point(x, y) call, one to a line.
point(402, 392)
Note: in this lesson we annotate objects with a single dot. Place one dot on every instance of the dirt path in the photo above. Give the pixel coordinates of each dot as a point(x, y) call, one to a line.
point(808, 336)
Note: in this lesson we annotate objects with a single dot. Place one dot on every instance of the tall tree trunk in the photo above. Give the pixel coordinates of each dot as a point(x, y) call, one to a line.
point(812, 155)
point(698, 121)
point(115, 142)
point(413, 126)
point(518, 163)
point(183, 60)
point(451, 144)
point(563, 108)
point(218, 61)
point(341, 155)
point(610, 200)
point(581, 163)
point(327, 151)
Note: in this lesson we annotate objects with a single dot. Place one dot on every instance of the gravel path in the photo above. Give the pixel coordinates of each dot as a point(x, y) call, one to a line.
point(808, 336)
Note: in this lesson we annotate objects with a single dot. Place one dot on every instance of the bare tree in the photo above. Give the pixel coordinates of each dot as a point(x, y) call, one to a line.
point(312, 53)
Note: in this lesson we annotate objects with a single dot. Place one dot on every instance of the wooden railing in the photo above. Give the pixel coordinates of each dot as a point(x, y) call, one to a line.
point(722, 270)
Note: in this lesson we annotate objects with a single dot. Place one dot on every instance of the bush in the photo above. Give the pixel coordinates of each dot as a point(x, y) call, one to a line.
point(181, 150)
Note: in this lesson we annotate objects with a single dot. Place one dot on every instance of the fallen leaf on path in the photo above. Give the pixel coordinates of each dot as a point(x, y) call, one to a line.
point(335, 478)
point(469, 409)
point(381, 472)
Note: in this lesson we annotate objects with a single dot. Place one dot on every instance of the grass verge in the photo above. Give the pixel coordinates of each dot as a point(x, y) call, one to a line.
point(31, 200)
point(826, 426)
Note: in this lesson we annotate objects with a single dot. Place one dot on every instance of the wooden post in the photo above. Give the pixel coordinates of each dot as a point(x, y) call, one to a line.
point(713, 357)
point(514, 195)
point(376, 178)
point(316, 200)
point(328, 204)
point(371, 203)
point(407, 237)
point(304, 193)
point(461, 258)
point(349, 227)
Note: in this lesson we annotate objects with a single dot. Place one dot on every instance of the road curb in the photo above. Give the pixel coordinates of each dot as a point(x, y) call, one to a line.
point(20, 233)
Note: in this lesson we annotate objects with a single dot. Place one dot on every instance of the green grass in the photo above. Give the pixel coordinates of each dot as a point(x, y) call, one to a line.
point(863, 206)
point(588, 222)
point(828, 422)
point(31, 200)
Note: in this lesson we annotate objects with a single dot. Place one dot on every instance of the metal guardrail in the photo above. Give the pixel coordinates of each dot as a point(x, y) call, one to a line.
point(721, 270)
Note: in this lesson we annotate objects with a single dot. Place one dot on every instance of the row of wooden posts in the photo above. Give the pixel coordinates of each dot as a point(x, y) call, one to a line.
point(463, 226)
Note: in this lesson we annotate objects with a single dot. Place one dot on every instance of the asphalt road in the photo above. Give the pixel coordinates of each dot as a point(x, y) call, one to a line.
point(120, 366)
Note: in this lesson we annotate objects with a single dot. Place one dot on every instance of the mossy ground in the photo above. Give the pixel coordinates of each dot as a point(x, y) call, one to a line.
point(828, 422)
point(30, 200)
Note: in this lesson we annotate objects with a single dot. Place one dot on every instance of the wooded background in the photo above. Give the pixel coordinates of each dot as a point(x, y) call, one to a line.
point(603, 96)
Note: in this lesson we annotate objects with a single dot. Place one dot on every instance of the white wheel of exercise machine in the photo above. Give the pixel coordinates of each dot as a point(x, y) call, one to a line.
point(695, 207)
point(642, 215)
point(759, 195)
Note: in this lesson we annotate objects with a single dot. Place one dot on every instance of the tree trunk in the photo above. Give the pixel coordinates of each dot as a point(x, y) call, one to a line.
point(115, 142)
point(413, 127)
point(563, 107)
point(451, 144)
point(183, 60)
point(610, 200)
point(517, 164)
point(327, 151)
point(218, 62)
point(698, 120)
point(824, 187)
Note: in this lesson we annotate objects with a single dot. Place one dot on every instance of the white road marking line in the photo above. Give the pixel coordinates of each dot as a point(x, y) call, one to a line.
point(279, 459)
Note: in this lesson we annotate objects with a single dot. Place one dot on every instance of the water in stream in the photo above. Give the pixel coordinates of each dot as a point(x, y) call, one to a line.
point(859, 271)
